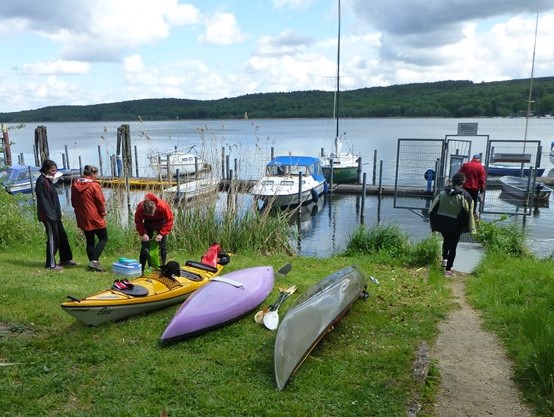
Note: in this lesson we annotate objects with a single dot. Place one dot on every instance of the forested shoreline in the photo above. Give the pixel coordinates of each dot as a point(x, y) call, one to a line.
point(438, 99)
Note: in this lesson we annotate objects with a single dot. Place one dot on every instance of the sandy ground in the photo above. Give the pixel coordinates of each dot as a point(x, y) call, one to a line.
point(475, 371)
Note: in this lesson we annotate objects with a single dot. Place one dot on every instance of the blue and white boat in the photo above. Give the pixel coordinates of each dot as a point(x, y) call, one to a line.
point(281, 186)
point(19, 179)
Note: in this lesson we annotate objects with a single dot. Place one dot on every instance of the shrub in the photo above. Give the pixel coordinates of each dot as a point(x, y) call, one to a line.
point(504, 238)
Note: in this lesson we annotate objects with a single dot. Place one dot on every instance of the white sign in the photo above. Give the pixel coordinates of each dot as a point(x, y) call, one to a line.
point(467, 129)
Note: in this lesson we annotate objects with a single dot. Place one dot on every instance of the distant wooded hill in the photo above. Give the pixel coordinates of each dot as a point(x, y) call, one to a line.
point(438, 99)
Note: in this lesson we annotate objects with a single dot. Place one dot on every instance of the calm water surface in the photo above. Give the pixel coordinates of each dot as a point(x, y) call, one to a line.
point(325, 229)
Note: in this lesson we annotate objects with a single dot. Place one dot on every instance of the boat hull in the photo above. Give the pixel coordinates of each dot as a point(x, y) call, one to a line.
point(16, 179)
point(113, 305)
point(341, 175)
point(281, 185)
point(499, 171)
point(219, 303)
point(312, 317)
point(166, 165)
point(191, 189)
point(518, 187)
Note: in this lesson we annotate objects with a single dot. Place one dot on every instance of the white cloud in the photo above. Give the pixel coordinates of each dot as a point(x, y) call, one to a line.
point(57, 67)
point(221, 29)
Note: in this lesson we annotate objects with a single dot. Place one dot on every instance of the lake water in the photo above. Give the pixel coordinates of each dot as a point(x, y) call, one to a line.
point(248, 144)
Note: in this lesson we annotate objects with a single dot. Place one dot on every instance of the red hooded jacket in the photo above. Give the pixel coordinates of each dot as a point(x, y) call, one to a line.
point(161, 220)
point(475, 175)
point(88, 203)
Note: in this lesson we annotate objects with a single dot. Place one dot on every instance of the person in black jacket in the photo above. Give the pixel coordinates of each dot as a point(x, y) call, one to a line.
point(50, 214)
point(451, 214)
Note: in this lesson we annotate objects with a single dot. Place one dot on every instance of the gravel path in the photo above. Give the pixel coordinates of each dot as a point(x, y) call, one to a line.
point(476, 373)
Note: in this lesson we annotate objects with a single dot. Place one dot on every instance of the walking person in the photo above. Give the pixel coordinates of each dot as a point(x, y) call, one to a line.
point(89, 204)
point(50, 214)
point(451, 214)
point(153, 222)
point(476, 178)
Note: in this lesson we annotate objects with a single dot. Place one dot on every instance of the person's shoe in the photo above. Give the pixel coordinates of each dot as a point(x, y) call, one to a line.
point(127, 283)
point(443, 263)
point(56, 268)
point(119, 285)
point(95, 266)
point(69, 263)
point(448, 273)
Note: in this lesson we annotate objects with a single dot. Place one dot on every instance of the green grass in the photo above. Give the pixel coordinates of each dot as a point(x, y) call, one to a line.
point(362, 368)
point(58, 367)
point(516, 296)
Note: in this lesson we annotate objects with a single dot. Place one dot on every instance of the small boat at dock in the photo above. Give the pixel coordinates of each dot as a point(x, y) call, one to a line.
point(281, 186)
point(524, 188)
point(166, 165)
point(19, 179)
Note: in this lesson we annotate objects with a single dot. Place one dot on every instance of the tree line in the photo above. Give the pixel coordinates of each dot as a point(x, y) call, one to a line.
point(437, 99)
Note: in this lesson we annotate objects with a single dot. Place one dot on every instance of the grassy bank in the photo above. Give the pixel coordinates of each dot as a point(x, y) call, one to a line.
point(61, 367)
point(51, 365)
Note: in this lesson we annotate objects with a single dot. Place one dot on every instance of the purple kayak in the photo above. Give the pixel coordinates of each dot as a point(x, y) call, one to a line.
point(221, 301)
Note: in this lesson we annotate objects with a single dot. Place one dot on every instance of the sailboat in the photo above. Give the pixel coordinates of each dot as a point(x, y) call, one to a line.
point(339, 167)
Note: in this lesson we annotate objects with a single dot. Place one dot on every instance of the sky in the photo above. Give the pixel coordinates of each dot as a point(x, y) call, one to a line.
point(80, 52)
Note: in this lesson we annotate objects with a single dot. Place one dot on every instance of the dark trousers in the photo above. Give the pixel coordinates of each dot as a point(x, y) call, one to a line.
point(95, 249)
point(144, 256)
point(56, 238)
point(474, 194)
point(449, 246)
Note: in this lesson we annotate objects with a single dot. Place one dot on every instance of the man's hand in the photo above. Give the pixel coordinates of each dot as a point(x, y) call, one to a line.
point(159, 238)
point(145, 238)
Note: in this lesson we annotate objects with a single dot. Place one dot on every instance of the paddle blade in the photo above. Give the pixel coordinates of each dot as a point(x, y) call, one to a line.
point(271, 320)
point(259, 317)
point(285, 269)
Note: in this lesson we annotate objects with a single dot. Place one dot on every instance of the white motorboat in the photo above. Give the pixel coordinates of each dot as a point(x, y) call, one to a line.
point(281, 186)
point(191, 189)
point(19, 179)
point(185, 162)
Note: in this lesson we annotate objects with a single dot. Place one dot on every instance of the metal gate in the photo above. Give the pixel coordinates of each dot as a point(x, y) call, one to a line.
point(423, 168)
point(519, 158)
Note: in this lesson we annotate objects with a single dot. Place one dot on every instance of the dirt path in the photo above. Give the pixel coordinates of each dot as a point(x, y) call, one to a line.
point(476, 373)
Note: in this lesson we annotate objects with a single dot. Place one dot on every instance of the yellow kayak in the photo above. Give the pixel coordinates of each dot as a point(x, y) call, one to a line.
point(148, 292)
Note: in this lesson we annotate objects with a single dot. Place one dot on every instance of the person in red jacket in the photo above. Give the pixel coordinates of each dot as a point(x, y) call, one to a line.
point(89, 205)
point(153, 221)
point(475, 178)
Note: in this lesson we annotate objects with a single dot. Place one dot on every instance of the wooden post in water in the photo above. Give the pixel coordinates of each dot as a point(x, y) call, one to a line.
point(362, 216)
point(100, 165)
point(178, 189)
point(331, 175)
point(299, 193)
point(374, 165)
point(41, 143)
point(228, 167)
point(359, 168)
point(80, 166)
point(136, 162)
point(66, 158)
point(6, 146)
point(124, 144)
point(223, 162)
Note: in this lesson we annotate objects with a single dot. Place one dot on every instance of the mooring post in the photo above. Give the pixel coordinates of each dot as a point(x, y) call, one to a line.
point(374, 165)
point(362, 216)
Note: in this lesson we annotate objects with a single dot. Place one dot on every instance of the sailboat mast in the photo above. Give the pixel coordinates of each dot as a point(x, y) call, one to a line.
point(531, 84)
point(338, 78)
